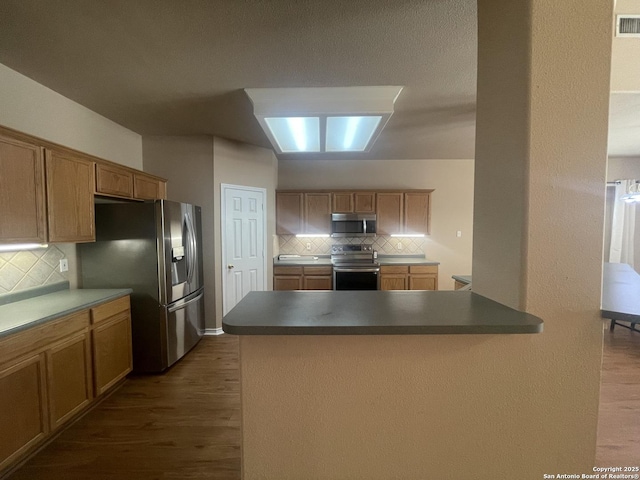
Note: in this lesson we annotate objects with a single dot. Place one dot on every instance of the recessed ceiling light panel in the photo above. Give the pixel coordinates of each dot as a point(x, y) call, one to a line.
point(350, 134)
point(319, 120)
point(295, 134)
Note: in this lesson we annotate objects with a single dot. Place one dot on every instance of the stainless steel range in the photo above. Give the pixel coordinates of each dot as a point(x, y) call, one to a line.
point(355, 267)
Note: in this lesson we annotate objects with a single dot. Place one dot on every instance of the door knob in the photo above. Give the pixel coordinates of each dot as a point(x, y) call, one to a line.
point(229, 267)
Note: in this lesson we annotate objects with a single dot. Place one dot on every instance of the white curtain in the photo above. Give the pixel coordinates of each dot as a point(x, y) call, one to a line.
point(623, 225)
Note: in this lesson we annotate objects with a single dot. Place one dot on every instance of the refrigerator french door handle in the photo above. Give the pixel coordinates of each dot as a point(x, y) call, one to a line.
point(183, 304)
point(191, 265)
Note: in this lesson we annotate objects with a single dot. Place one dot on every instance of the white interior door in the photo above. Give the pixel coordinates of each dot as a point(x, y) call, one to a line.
point(243, 243)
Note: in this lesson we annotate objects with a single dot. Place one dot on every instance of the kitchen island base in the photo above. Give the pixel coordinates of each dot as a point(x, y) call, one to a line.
point(385, 406)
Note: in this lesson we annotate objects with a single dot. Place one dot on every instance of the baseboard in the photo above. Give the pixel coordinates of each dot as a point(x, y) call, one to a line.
point(213, 331)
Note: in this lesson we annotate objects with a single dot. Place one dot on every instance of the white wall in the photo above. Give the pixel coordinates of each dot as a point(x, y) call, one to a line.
point(187, 163)
point(241, 164)
point(625, 67)
point(32, 108)
point(452, 200)
point(620, 168)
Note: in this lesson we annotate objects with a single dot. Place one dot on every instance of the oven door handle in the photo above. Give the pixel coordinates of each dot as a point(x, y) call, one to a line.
point(363, 270)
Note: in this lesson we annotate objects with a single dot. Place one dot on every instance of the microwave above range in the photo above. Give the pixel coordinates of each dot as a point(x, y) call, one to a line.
point(353, 225)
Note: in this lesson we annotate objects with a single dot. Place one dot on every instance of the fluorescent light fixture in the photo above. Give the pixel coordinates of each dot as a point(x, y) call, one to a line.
point(323, 120)
point(22, 246)
point(295, 134)
point(350, 134)
point(409, 235)
point(312, 235)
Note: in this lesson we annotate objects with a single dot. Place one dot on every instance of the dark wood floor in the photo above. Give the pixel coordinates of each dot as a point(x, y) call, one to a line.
point(185, 424)
point(619, 419)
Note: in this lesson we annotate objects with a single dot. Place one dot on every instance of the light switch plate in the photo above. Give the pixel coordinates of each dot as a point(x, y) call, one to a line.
point(64, 265)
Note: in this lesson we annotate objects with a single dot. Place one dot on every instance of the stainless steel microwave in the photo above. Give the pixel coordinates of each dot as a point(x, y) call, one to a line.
point(353, 225)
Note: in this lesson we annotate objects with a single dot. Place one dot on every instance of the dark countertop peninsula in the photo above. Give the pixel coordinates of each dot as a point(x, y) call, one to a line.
point(466, 279)
point(374, 313)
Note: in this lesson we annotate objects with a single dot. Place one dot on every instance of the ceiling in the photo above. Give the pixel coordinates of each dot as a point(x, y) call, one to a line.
point(169, 67)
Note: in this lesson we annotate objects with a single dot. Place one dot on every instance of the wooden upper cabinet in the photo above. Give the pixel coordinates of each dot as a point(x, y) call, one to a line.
point(111, 180)
point(364, 202)
point(416, 212)
point(317, 210)
point(389, 211)
point(70, 189)
point(342, 202)
point(22, 206)
point(146, 187)
point(289, 213)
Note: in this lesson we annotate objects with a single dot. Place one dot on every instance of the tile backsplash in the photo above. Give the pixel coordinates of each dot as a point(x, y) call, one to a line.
point(30, 268)
point(292, 245)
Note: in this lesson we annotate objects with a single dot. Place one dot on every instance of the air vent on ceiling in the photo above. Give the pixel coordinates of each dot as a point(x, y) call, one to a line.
point(628, 26)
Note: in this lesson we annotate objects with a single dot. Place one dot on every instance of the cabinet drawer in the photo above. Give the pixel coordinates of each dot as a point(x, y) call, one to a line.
point(318, 270)
point(394, 269)
point(107, 310)
point(287, 270)
point(35, 339)
point(423, 269)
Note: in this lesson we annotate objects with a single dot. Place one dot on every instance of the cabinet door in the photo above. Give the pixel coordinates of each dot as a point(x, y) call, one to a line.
point(342, 202)
point(287, 282)
point(23, 412)
point(318, 282)
point(317, 209)
point(21, 192)
point(416, 212)
point(389, 210)
point(70, 189)
point(423, 282)
point(69, 378)
point(111, 351)
point(364, 202)
point(393, 281)
point(112, 180)
point(147, 188)
point(289, 213)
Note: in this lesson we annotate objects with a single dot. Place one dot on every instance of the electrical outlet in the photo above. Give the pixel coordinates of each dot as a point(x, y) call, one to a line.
point(308, 245)
point(459, 233)
point(399, 246)
point(64, 265)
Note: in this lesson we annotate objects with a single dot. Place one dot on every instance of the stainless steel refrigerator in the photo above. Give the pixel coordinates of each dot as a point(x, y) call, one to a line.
point(155, 248)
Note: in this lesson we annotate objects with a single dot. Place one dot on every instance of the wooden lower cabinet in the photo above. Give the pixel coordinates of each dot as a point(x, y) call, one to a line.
point(317, 278)
point(287, 278)
point(111, 352)
point(393, 277)
point(23, 407)
point(423, 277)
point(303, 278)
point(47, 373)
point(111, 341)
point(405, 277)
point(69, 378)
point(393, 281)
